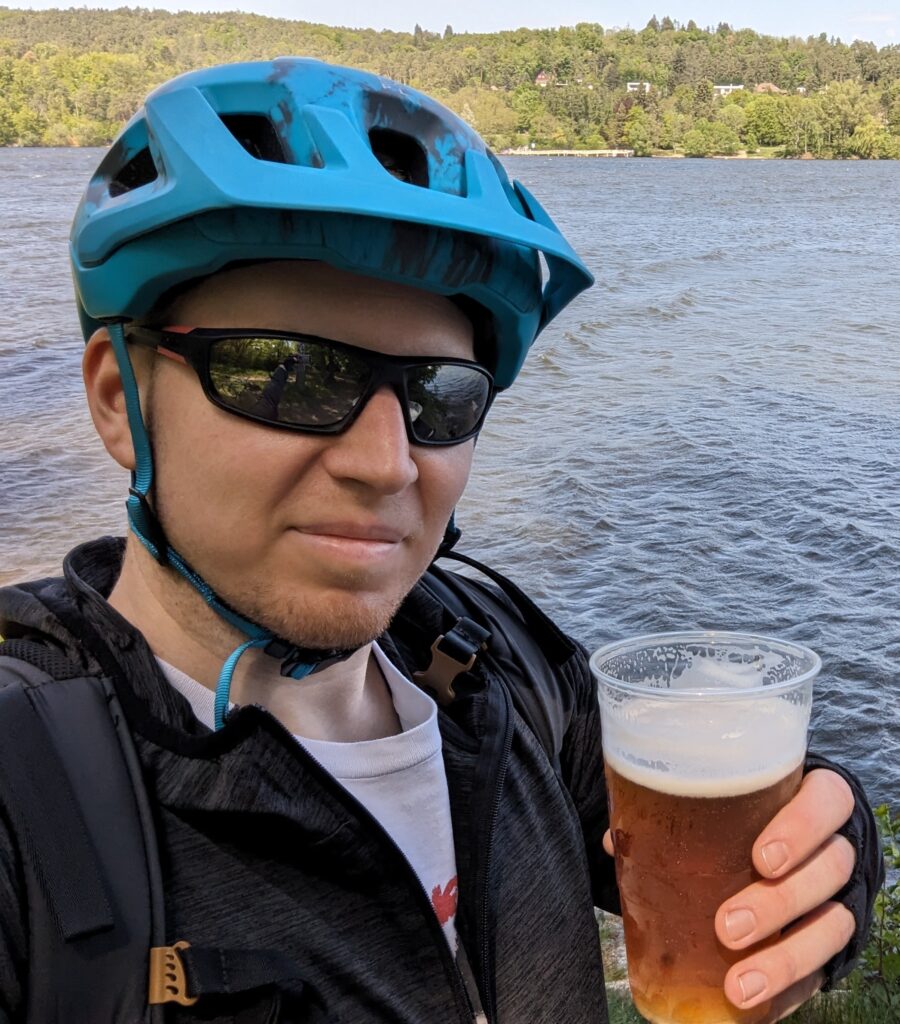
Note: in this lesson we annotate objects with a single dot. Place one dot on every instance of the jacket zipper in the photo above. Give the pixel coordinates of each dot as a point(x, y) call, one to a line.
point(461, 991)
point(503, 766)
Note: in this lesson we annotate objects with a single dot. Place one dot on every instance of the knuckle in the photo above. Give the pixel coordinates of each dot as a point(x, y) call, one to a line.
point(788, 967)
point(843, 855)
point(846, 924)
point(839, 793)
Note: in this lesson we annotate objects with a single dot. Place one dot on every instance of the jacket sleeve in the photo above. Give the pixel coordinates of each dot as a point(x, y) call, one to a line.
point(13, 928)
point(858, 895)
point(581, 761)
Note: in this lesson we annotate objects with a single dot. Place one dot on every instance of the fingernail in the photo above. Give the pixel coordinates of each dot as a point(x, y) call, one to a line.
point(753, 984)
point(775, 855)
point(739, 924)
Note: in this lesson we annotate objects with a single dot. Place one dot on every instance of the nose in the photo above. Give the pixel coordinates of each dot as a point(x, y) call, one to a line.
point(375, 450)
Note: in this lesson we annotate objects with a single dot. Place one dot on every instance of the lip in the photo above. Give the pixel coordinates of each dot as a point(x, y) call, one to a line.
point(375, 532)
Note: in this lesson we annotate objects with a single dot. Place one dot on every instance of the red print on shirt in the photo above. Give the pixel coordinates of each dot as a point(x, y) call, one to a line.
point(444, 900)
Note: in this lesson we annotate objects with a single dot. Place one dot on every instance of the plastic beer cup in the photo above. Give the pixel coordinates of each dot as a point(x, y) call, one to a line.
point(704, 739)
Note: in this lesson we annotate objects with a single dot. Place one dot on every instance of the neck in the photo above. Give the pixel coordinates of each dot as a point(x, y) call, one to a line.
point(345, 702)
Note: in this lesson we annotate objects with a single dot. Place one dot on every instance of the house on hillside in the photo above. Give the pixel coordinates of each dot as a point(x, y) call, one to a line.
point(542, 79)
point(726, 90)
point(768, 87)
point(638, 86)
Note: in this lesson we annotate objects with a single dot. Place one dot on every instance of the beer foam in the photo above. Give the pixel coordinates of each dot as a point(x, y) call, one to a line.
point(719, 748)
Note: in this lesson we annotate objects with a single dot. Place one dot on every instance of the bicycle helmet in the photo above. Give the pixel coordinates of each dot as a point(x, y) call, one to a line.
point(297, 159)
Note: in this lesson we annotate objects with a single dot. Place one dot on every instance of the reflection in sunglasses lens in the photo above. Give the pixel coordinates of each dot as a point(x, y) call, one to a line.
point(452, 399)
point(302, 383)
point(307, 383)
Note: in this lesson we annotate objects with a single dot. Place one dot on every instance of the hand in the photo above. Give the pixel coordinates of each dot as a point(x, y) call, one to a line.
point(803, 864)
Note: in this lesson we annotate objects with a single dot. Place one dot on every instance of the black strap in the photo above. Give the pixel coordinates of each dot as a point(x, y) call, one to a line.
point(56, 838)
point(554, 642)
point(71, 787)
point(213, 971)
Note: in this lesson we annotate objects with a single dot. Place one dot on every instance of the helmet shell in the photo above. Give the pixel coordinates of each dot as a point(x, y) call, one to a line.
point(285, 159)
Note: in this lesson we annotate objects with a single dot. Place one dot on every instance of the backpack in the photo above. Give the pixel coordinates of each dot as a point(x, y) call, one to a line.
point(92, 874)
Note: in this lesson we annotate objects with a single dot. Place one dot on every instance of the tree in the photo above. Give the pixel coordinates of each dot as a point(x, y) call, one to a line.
point(871, 140)
point(704, 99)
point(448, 32)
point(734, 116)
point(763, 120)
point(639, 132)
point(844, 106)
point(696, 143)
point(802, 124)
point(711, 137)
point(673, 129)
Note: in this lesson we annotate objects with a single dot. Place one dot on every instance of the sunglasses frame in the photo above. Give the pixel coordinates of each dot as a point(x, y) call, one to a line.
point(192, 345)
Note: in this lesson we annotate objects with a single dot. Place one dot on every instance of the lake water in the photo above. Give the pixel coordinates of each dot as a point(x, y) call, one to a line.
point(708, 438)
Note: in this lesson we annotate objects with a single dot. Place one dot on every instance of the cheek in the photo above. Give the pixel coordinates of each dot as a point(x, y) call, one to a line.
point(443, 474)
point(212, 468)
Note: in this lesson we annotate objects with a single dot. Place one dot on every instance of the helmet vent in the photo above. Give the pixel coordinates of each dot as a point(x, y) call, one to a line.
point(140, 170)
point(257, 135)
point(400, 155)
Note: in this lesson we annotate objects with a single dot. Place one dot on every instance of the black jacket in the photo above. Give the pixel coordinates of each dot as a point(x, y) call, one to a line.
point(260, 848)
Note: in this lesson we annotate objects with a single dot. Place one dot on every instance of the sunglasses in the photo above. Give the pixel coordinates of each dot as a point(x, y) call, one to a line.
point(318, 386)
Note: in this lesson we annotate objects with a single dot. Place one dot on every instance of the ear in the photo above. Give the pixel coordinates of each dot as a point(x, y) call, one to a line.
point(106, 398)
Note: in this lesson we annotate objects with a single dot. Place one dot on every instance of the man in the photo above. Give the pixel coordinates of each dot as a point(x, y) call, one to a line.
point(332, 843)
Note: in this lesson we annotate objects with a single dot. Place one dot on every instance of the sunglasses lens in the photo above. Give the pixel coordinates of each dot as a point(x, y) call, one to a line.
point(446, 401)
point(287, 381)
point(313, 385)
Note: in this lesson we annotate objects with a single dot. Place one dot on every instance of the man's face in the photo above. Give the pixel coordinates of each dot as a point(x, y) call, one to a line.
point(317, 538)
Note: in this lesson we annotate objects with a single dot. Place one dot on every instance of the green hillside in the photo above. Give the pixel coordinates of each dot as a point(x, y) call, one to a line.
point(72, 77)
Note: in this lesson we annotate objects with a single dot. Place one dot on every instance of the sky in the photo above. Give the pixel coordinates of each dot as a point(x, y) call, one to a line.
point(874, 20)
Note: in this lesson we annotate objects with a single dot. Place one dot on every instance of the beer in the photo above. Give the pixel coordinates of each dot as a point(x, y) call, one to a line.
point(679, 856)
point(704, 737)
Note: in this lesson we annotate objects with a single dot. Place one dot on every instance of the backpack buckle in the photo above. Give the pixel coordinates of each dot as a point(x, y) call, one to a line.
point(452, 654)
point(168, 982)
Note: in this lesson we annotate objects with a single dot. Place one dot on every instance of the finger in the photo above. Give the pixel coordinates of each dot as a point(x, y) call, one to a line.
point(822, 805)
point(764, 908)
point(771, 972)
point(608, 843)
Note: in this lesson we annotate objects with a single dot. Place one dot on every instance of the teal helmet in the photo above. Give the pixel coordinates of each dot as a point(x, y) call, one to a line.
point(296, 159)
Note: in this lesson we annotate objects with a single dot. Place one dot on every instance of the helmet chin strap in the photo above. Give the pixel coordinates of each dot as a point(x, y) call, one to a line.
point(296, 662)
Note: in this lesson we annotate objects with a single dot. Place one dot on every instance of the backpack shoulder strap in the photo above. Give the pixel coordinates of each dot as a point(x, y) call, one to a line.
point(71, 786)
point(549, 650)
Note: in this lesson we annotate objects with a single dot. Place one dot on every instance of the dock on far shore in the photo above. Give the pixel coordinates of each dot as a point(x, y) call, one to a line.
point(568, 152)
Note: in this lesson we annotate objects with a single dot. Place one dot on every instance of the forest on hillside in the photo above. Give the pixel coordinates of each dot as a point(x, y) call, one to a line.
point(72, 77)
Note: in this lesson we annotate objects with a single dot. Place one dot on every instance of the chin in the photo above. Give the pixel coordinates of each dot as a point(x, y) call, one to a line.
point(334, 619)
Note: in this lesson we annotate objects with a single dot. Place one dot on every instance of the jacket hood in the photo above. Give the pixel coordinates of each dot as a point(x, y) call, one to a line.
point(37, 606)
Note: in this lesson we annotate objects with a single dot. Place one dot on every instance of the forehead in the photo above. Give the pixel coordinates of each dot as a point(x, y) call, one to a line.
point(315, 298)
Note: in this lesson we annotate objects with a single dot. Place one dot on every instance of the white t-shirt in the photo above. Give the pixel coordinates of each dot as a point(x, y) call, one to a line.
point(400, 780)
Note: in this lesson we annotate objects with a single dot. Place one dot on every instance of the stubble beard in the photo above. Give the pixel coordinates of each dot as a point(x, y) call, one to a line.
point(343, 619)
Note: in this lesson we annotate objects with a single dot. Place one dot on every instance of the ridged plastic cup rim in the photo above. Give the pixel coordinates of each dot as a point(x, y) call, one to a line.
point(700, 637)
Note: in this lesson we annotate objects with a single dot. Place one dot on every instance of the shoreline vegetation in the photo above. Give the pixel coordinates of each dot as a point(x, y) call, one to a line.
point(73, 77)
point(771, 153)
